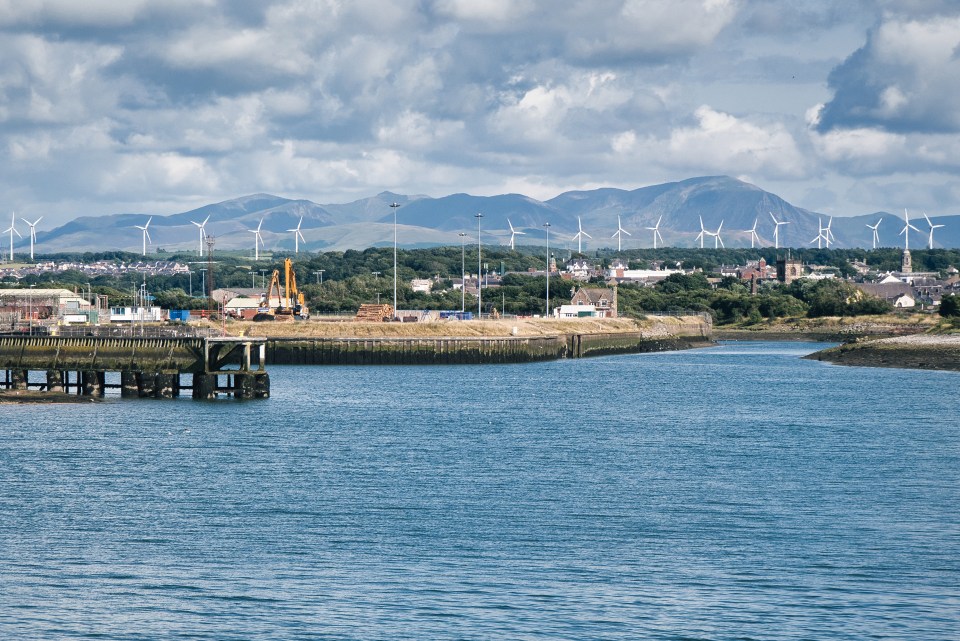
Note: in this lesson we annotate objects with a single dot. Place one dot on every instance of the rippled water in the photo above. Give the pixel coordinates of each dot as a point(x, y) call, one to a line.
point(727, 493)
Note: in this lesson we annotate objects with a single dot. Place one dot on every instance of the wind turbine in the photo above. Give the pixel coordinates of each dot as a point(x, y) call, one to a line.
point(33, 232)
point(146, 234)
point(776, 230)
point(297, 236)
point(876, 235)
point(12, 230)
point(717, 241)
point(655, 229)
point(203, 232)
point(703, 232)
point(906, 231)
point(753, 233)
point(820, 237)
point(829, 238)
point(579, 236)
point(929, 241)
point(257, 240)
point(513, 233)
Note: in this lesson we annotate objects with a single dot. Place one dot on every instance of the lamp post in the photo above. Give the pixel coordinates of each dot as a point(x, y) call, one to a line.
point(547, 227)
point(394, 207)
point(30, 308)
point(478, 216)
point(263, 278)
point(190, 278)
point(203, 280)
point(319, 275)
point(463, 272)
point(253, 280)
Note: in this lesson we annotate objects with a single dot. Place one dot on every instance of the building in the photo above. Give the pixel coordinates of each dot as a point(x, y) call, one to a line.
point(576, 311)
point(604, 300)
point(788, 269)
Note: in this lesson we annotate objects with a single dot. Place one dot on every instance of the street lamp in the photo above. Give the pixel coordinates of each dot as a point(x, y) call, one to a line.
point(30, 308)
point(547, 227)
point(463, 273)
point(319, 275)
point(190, 277)
point(253, 279)
point(478, 216)
point(203, 280)
point(263, 278)
point(394, 207)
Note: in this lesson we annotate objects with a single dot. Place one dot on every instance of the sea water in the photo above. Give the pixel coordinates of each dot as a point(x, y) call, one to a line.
point(735, 492)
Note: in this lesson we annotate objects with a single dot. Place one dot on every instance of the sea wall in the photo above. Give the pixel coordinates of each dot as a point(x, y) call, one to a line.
point(438, 351)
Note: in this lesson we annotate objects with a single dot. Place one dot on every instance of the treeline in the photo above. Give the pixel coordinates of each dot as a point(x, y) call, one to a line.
point(353, 277)
point(732, 302)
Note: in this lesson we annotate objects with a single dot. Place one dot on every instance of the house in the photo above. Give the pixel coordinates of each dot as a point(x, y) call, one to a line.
point(576, 311)
point(580, 269)
point(603, 299)
point(421, 285)
point(904, 300)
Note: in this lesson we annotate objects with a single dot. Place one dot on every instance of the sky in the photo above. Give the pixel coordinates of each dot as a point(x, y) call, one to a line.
point(160, 106)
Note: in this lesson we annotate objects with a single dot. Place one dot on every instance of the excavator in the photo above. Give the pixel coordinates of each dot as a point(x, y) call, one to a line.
point(291, 303)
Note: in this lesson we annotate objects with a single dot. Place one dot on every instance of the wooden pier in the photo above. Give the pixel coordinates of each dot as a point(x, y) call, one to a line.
point(147, 367)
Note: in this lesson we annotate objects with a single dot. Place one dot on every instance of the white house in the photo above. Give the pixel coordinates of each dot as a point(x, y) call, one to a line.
point(576, 311)
point(905, 300)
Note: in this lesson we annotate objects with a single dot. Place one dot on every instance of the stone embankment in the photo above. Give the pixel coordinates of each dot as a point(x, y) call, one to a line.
point(919, 351)
point(455, 342)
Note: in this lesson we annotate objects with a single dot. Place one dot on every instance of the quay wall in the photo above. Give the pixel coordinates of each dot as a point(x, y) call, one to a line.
point(105, 354)
point(459, 350)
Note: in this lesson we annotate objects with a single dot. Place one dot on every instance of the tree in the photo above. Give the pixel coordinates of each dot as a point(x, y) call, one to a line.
point(950, 306)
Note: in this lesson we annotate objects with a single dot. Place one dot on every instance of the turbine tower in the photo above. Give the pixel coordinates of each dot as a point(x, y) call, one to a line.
point(579, 236)
point(656, 231)
point(876, 234)
point(820, 237)
point(33, 232)
point(906, 231)
point(717, 241)
point(146, 234)
point(703, 232)
point(12, 230)
point(257, 240)
point(753, 233)
point(513, 233)
point(929, 240)
point(776, 230)
point(297, 236)
point(203, 232)
point(620, 231)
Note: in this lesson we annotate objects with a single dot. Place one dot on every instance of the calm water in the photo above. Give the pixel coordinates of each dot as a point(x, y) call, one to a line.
point(728, 493)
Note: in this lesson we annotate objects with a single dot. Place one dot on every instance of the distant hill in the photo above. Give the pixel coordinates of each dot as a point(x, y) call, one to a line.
point(425, 221)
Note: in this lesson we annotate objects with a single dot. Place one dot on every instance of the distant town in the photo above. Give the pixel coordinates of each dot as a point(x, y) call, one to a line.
point(735, 286)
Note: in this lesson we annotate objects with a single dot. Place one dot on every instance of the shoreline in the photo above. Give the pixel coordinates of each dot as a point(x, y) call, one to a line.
point(919, 351)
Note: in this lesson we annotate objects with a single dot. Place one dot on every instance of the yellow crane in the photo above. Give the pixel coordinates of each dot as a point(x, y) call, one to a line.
point(291, 301)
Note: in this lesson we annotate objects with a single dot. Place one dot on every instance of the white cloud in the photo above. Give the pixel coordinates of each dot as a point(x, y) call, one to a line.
point(152, 172)
point(496, 11)
point(723, 143)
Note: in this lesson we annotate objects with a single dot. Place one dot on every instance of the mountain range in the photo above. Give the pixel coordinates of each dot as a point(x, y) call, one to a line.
point(424, 221)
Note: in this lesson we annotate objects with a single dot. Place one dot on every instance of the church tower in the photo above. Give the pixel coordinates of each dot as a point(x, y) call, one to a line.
point(906, 265)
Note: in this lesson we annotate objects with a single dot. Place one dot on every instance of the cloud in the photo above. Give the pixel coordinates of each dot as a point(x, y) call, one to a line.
point(902, 80)
point(723, 143)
